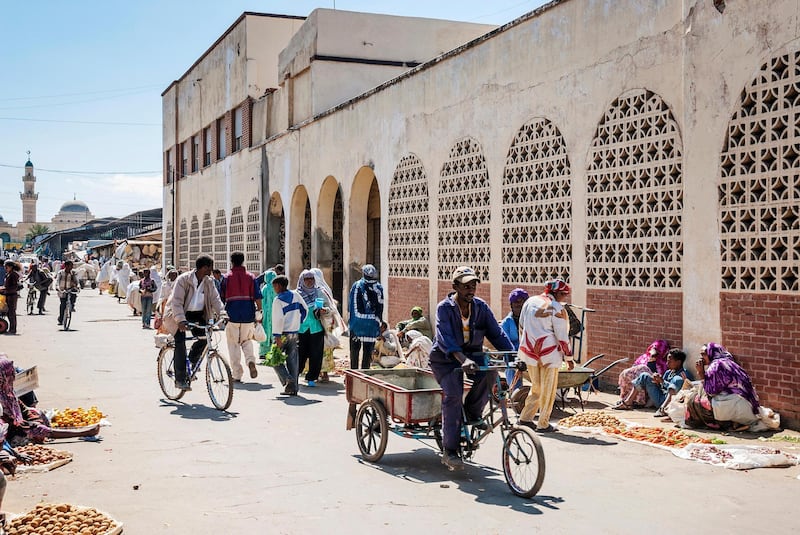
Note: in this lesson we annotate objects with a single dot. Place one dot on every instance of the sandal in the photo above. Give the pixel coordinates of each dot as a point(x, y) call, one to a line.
point(622, 407)
point(659, 413)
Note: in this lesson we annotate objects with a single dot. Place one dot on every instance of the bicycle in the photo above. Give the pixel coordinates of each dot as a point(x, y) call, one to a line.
point(33, 296)
point(66, 319)
point(406, 405)
point(219, 379)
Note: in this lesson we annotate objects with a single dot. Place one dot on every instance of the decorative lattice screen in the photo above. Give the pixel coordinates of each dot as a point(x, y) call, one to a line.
point(169, 250)
point(759, 188)
point(537, 206)
point(306, 243)
point(183, 245)
point(409, 220)
point(236, 231)
point(220, 239)
point(464, 215)
point(207, 235)
point(253, 245)
point(635, 196)
point(338, 238)
point(194, 239)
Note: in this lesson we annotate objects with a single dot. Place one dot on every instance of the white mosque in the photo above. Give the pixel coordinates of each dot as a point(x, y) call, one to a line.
point(72, 214)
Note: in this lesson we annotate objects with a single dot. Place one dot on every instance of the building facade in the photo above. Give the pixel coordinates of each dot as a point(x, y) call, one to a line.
point(645, 151)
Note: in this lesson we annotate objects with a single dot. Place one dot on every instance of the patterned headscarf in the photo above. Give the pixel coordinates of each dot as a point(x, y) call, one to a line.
point(661, 348)
point(8, 399)
point(556, 285)
point(308, 294)
point(716, 351)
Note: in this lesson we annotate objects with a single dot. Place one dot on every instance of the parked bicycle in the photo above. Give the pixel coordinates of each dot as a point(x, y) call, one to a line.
point(219, 379)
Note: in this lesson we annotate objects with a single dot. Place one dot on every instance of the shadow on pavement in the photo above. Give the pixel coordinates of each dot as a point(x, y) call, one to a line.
point(575, 439)
point(252, 387)
point(195, 411)
point(297, 400)
point(487, 484)
point(325, 389)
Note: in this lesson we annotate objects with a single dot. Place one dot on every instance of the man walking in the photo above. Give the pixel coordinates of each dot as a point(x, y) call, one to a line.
point(194, 299)
point(242, 298)
point(288, 312)
point(544, 343)
point(365, 308)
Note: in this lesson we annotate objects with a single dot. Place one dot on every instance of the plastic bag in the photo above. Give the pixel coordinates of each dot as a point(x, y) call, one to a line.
point(3, 304)
point(259, 335)
point(331, 341)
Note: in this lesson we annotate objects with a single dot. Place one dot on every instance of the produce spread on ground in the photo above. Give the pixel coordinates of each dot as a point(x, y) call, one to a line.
point(79, 417)
point(610, 425)
point(49, 519)
point(43, 455)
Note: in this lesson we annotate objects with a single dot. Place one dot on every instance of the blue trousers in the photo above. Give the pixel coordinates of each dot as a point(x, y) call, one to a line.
point(655, 392)
point(453, 401)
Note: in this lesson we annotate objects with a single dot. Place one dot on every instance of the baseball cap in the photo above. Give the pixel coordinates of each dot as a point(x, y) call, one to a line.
point(465, 274)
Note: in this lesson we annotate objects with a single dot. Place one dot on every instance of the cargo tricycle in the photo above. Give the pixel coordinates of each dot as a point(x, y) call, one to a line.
point(408, 403)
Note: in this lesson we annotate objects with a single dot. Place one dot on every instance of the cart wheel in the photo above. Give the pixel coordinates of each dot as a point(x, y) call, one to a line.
point(517, 401)
point(3, 325)
point(523, 462)
point(371, 430)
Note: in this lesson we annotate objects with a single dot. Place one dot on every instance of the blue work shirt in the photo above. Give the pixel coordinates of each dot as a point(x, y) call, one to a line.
point(449, 332)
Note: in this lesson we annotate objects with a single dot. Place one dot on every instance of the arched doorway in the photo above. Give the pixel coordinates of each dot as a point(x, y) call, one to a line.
point(276, 232)
point(329, 236)
point(365, 223)
point(299, 234)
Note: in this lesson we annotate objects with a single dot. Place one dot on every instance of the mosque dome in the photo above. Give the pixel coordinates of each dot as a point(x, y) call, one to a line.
point(74, 206)
point(28, 164)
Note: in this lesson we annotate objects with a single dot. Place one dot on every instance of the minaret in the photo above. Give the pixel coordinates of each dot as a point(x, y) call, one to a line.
point(28, 196)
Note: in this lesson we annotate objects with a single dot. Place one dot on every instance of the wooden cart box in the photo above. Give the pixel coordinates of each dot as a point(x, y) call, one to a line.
point(410, 395)
point(26, 381)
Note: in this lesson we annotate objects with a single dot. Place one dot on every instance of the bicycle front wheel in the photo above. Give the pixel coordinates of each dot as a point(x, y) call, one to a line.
point(166, 374)
point(67, 319)
point(31, 301)
point(523, 462)
point(219, 381)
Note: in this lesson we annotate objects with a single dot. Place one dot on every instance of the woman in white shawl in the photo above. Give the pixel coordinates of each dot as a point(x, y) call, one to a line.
point(159, 283)
point(417, 353)
point(123, 280)
point(334, 326)
point(104, 277)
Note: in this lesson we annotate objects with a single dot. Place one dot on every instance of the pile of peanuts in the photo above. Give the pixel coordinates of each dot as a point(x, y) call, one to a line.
point(51, 519)
point(43, 454)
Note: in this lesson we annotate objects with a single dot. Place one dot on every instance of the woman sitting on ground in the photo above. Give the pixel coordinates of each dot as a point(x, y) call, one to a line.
point(660, 388)
point(654, 360)
point(26, 424)
point(727, 398)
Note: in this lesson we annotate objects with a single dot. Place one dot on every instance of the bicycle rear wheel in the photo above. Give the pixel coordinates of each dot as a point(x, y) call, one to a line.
point(31, 301)
point(219, 381)
point(523, 462)
point(166, 374)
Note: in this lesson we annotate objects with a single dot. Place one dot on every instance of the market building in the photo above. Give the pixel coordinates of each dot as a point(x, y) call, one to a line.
point(644, 151)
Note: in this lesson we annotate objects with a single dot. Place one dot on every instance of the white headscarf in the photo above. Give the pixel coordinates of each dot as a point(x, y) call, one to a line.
point(338, 323)
point(159, 283)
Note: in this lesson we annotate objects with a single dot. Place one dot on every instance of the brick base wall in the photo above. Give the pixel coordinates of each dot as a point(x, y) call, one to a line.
point(532, 290)
point(626, 321)
point(405, 293)
point(763, 333)
point(443, 288)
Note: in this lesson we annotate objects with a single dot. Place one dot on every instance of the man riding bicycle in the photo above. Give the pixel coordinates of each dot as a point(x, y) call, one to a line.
point(40, 280)
point(67, 286)
point(462, 321)
point(194, 299)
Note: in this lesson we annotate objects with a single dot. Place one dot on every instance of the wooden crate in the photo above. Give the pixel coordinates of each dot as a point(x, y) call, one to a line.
point(26, 381)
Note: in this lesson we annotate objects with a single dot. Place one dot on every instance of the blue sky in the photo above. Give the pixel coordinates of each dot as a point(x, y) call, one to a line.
point(81, 85)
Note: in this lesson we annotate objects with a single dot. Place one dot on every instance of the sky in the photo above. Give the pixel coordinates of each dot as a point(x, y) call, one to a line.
point(81, 84)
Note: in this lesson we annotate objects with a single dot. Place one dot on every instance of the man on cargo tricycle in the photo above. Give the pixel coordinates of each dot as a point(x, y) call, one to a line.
point(462, 322)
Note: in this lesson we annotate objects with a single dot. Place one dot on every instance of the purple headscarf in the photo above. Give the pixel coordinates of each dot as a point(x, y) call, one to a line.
point(517, 294)
point(661, 348)
point(725, 376)
point(8, 399)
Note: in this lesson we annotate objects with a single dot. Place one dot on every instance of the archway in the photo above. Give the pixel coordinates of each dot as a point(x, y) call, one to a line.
point(299, 234)
point(365, 223)
point(276, 232)
point(329, 236)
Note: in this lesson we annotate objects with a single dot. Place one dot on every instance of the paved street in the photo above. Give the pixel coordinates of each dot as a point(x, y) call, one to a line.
point(276, 465)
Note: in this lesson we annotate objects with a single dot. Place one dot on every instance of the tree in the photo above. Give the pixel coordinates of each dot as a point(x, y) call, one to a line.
point(36, 230)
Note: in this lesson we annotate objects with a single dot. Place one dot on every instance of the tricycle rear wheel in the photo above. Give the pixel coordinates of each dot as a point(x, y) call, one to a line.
point(523, 462)
point(372, 430)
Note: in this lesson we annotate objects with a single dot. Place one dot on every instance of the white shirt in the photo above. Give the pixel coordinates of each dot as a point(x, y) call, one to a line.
point(545, 332)
point(198, 301)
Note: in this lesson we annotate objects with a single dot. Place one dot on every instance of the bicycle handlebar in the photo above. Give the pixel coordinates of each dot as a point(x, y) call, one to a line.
point(210, 326)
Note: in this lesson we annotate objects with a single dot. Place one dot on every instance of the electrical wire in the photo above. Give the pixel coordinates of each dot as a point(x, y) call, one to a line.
point(75, 122)
point(79, 173)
